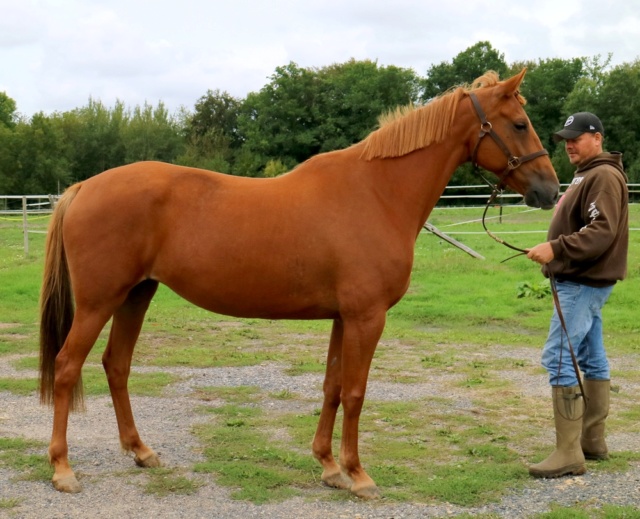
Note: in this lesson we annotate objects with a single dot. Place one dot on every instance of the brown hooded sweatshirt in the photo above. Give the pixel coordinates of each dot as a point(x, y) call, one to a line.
point(589, 231)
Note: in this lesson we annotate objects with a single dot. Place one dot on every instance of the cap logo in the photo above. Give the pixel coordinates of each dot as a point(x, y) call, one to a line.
point(569, 121)
point(591, 127)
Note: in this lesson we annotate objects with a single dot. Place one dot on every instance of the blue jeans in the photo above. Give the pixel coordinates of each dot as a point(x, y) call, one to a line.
point(582, 310)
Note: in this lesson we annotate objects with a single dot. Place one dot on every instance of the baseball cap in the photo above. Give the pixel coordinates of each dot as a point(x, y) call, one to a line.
point(577, 124)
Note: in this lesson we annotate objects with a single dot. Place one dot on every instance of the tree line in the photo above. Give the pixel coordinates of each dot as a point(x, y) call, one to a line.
point(301, 112)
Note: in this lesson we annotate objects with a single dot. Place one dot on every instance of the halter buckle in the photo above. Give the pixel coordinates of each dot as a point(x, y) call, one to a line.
point(513, 163)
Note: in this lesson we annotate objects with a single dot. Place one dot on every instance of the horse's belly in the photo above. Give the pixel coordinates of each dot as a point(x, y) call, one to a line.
point(242, 301)
point(254, 289)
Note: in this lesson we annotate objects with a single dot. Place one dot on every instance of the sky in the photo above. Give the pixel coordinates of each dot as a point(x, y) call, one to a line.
point(55, 55)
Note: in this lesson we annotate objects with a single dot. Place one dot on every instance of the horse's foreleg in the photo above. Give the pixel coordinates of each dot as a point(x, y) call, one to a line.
point(69, 361)
point(331, 473)
point(125, 329)
point(359, 344)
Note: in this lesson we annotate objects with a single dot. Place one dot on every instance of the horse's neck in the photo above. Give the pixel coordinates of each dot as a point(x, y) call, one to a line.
point(417, 180)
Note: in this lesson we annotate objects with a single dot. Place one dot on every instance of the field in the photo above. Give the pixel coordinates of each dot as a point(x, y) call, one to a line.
point(457, 403)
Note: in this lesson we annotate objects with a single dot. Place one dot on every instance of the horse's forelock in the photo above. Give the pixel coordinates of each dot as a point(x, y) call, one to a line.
point(490, 79)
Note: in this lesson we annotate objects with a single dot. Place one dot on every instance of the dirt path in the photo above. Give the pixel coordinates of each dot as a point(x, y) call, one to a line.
point(111, 489)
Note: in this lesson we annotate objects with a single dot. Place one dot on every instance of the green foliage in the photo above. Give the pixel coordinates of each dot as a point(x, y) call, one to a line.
point(274, 168)
point(546, 87)
point(304, 111)
point(38, 157)
point(151, 134)
point(535, 290)
point(463, 69)
point(301, 112)
point(618, 106)
point(212, 138)
point(95, 132)
point(7, 111)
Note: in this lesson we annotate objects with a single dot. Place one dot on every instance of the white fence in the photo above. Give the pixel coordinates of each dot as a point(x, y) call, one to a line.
point(29, 206)
point(23, 208)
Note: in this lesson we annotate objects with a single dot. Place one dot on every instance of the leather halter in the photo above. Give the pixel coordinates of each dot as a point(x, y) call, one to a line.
point(486, 128)
point(513, 162)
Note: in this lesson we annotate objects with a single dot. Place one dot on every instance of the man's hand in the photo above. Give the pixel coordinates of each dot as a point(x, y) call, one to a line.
point(542, 253)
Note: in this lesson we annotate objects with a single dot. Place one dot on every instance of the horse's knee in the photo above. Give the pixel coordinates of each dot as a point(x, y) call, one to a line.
point(352, 402)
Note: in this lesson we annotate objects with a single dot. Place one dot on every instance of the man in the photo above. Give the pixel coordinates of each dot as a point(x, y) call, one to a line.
point(586, 254)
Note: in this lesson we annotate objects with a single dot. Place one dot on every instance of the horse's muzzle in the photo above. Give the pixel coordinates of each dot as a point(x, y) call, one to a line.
point(543, 194)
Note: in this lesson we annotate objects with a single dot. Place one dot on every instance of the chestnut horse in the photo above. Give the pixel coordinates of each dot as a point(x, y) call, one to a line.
point(332, 239)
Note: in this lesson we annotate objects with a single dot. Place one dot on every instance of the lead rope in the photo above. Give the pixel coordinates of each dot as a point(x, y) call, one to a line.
point(513, 162)
point(556, 301)
point(574, 360)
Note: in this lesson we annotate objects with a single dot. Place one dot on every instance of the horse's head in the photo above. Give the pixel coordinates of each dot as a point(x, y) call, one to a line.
point(506, 143)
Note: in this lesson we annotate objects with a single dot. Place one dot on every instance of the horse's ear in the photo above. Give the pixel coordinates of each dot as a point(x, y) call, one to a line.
point(512, 85)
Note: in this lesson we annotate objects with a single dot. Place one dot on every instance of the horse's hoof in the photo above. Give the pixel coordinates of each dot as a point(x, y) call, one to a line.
point(150, 462)
point(367, 492)
point(67, 484)
point(336, 480)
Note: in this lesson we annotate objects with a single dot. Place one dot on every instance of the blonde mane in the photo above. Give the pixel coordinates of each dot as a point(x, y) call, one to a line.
point(409, 128)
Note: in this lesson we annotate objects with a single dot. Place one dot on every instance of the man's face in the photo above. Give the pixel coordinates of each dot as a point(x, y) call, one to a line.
point(583, 148)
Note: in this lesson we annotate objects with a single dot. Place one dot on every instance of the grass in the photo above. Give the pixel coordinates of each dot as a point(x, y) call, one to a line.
point(19, 455)
point(163, 482)
point(466, 322)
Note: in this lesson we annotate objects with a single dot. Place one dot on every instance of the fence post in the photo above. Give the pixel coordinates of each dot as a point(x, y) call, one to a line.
point(25, 229)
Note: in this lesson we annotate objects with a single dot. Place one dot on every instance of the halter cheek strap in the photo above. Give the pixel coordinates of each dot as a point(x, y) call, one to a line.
point(486, 128)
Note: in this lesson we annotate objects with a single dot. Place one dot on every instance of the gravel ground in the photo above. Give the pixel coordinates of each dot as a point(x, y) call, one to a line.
point(110, 490)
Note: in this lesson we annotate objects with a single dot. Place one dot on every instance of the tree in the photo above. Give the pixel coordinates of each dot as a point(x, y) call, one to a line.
point(217, 111)
point(618, 105)
point(8, 162)
point(40, 148)
point(463, 69)
point(95, 136)
point(352, 95)
point(546, 87)
point(582, 98)
point(151, 134)
point(212, 136)
point(7, 111)
point(279, 121)
point(303, 112)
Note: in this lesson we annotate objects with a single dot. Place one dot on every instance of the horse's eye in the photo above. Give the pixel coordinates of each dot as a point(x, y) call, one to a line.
point(521, 126)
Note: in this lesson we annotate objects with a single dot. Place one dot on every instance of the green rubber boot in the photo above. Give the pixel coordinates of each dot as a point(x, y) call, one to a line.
point(567, 458)
point(593, 445)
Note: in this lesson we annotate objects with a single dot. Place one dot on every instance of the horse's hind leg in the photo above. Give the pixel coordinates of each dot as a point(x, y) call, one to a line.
point(331, 474)
point(68, 366)
point(125, 329)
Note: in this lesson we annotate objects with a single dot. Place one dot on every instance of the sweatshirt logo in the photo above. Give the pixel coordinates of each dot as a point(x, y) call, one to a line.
point(593, 214)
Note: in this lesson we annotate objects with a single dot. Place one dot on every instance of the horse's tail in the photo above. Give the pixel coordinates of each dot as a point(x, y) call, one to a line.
point(56, 304)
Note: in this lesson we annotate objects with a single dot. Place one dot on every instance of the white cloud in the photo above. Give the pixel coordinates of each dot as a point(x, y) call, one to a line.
point(54, 55)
